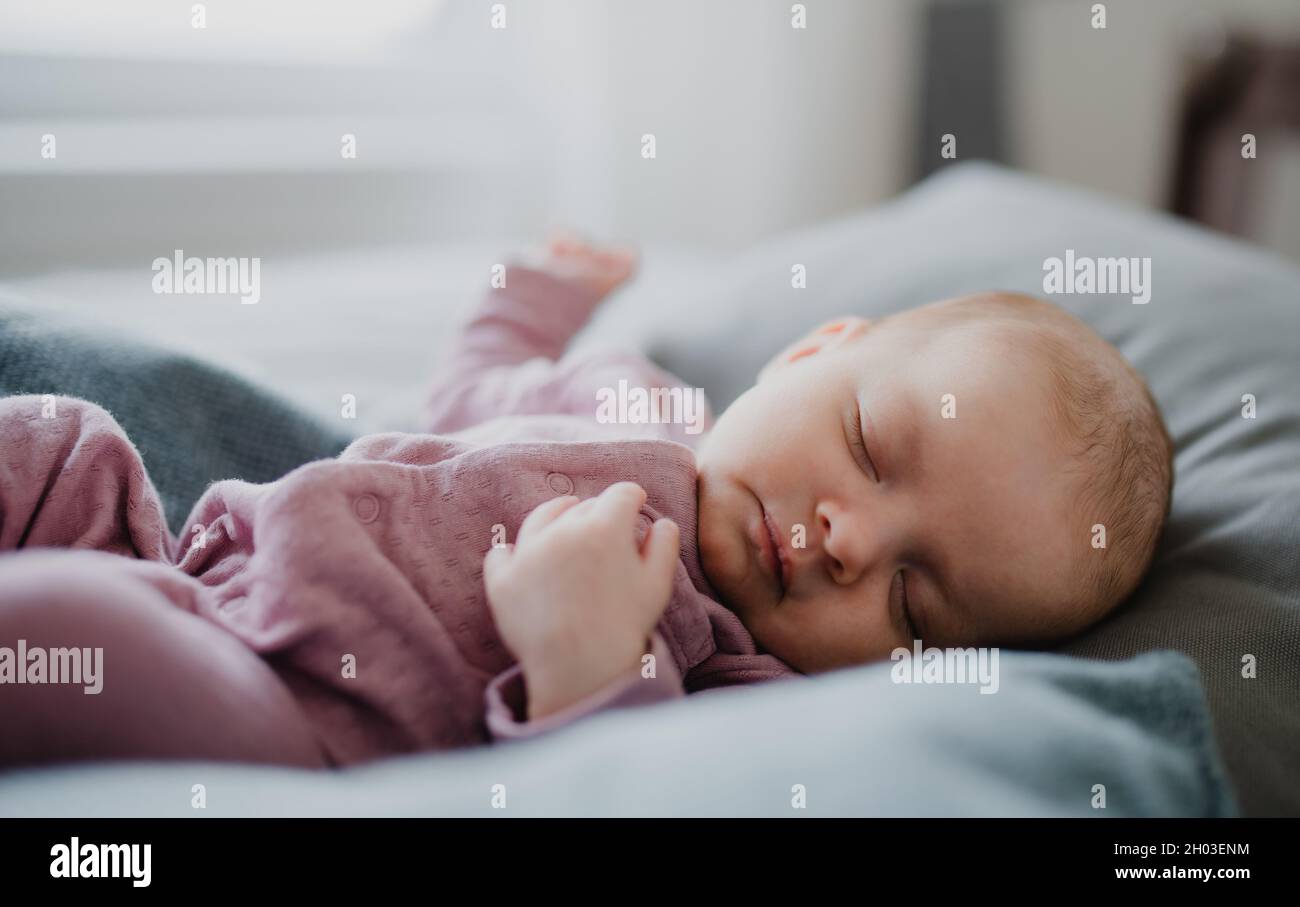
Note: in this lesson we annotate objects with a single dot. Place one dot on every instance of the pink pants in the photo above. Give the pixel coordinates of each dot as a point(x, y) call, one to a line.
point(174, 686)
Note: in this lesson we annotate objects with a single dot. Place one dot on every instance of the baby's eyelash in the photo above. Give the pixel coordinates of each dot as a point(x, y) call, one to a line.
point(904, 608)
point(907, 609)
point(856, 442)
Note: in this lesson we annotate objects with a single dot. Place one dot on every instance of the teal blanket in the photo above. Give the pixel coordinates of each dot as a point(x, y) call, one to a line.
point(1062, 737)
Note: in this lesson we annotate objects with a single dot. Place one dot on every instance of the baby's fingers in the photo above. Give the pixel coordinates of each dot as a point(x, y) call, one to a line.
point(545, 514)
point(494, 562)
point(619, 502)
point(661, 554)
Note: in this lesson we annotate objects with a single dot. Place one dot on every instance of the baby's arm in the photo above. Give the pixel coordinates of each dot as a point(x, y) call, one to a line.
point(511, 359)
point(70, 478)
point(576, 600)
point(508, 699)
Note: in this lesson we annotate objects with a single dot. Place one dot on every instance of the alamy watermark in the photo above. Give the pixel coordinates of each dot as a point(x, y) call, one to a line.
point(638, 405)
point(36, 664)
point(75, 860)
point(180, 275)
point(1081, 274)
point(933, 665)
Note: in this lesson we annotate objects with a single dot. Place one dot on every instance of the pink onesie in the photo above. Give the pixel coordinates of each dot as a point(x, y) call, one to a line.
point(349, 593)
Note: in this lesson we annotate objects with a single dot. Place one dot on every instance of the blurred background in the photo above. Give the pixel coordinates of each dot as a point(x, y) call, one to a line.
point(219, 128)
point(228, 135)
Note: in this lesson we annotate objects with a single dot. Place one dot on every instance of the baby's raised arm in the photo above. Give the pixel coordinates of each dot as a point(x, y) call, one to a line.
point(504, 362)
point(511, 361)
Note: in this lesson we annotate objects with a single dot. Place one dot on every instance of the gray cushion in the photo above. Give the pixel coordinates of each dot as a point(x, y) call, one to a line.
point(1223, 321)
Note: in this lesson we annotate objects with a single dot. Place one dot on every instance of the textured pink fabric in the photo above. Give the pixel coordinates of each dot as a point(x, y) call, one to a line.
point(375, 559)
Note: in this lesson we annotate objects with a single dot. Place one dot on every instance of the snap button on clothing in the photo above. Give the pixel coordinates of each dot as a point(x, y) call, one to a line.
point(560, 483)
point(366, 507)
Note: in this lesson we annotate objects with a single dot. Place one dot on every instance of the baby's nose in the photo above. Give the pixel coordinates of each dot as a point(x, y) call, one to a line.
point(843, 543)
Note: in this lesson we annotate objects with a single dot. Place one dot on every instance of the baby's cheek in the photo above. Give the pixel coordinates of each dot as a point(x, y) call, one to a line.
point(799, 634)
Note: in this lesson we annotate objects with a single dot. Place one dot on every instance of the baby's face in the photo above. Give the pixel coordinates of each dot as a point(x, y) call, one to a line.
point(957, 531)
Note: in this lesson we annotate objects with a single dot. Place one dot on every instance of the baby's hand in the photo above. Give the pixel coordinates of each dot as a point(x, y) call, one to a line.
point(603, 270)
point(574, 599)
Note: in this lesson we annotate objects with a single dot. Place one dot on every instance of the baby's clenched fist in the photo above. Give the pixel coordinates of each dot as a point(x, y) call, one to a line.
point(575, 599)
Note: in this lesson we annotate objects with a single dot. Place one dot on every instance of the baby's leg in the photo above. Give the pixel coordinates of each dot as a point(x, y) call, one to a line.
point(170, 684)
point(69, 478)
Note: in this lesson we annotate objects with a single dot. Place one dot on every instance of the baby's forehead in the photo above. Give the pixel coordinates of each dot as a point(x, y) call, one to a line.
point(976, 350)
point(995, 328)
point(978, 385)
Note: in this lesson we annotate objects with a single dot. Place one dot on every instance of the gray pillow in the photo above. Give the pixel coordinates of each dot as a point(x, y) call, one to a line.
point(1223, 321)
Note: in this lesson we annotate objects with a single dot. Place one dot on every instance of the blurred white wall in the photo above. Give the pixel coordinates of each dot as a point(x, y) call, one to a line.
point(228, 139)
point(464, 130)
point(759, 126)
point(318, 31)
point(1098, 107)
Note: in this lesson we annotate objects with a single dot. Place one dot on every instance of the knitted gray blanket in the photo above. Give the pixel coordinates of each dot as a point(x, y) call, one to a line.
point(193, 422)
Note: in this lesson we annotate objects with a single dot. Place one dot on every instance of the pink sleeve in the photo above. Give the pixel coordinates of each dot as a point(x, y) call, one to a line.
point(510, 360)
point(70, 478)
point(507, 705)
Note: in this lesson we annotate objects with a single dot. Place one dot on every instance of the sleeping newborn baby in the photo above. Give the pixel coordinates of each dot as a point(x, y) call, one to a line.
point(979, 471)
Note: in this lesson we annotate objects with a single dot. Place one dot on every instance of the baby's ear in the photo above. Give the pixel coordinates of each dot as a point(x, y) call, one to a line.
point(825, 336)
